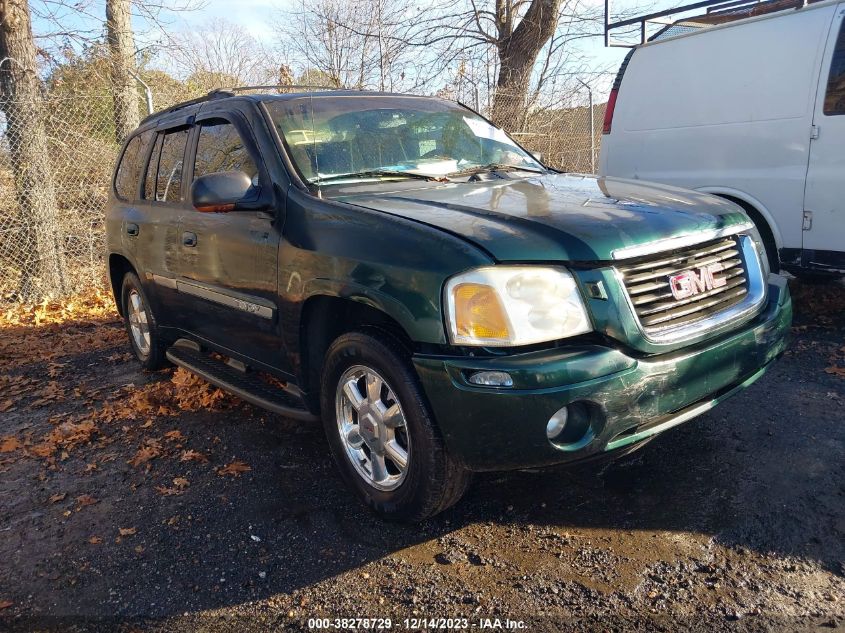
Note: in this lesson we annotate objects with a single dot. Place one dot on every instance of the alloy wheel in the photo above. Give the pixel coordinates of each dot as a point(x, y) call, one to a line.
point(372, 428)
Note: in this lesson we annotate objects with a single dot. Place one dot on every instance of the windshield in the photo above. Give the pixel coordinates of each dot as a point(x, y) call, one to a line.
point(377, 137)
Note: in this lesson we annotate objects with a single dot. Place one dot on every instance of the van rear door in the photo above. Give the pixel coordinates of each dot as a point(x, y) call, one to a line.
point(824, 197)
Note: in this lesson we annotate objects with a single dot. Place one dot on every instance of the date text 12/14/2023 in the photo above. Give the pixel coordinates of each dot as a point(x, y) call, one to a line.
point(417, 624)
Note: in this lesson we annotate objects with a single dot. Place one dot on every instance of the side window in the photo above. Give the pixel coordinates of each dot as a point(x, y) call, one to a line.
point(834, 101)
point(220, 148)
point(129, 170)
point(152, 170)
point(169, 179)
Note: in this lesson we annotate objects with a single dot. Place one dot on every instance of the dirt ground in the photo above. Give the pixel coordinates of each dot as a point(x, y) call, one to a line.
point(133, 501)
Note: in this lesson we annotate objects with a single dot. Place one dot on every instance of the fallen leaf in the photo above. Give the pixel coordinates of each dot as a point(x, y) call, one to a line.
point(90, 467)
point(127, 531)
point(95, 540)
point(144, 454)
point(836, 371)
point(10, 444)
point(58, 497)
point(168, 492)
point(6, 405)
point(5, 604)
point(235, 469)
point(85, 500)
point(193, 456)
point(181, 482)
point(45, 449)
point(139, 549)
point(176, 436)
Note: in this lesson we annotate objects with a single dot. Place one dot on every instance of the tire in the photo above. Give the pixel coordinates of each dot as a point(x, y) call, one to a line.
point(431, 480)
point(141, 325)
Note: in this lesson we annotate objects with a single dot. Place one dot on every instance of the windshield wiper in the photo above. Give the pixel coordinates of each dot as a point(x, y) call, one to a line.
point(374, 173)
point(477, 169)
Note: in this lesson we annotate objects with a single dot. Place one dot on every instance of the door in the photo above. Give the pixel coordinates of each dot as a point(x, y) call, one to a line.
point(228, 261)
point(824, 197)
point(153, 225)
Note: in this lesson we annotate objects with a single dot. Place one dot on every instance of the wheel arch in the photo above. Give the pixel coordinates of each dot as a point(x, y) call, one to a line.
point(119, 265)
point(757, 211)
point(325, 317)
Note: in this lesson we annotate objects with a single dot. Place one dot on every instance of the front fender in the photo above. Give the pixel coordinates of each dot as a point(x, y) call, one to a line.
point(423, 325)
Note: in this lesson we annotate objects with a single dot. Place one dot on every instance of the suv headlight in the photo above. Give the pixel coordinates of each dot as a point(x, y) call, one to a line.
point(508, 306)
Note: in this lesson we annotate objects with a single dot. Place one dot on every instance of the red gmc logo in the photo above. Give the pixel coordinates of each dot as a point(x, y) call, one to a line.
point(696, 280)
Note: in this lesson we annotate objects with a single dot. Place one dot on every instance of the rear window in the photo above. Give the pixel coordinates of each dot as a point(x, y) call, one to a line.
point(834, 100)
point(129, 170)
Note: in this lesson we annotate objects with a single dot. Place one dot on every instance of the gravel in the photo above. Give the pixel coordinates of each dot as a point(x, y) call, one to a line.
point(735, 521)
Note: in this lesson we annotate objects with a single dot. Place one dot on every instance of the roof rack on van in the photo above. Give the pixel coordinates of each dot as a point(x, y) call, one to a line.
point(718, 12)
point(222, 93)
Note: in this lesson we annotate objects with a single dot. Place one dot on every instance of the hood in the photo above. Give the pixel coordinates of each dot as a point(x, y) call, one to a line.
point(553, 217)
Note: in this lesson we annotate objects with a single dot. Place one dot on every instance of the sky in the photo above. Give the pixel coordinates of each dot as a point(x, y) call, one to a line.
point(257, 17)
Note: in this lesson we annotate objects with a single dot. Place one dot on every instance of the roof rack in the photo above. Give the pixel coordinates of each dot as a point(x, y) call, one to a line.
point(718, 12)
point(223, 93)
point(278, 87)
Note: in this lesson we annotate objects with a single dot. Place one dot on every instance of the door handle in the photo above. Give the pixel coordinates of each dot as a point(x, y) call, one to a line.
point(132, 229)
point(189, 239)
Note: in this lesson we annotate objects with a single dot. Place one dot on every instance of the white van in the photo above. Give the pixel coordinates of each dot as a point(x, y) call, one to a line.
point(751, 110)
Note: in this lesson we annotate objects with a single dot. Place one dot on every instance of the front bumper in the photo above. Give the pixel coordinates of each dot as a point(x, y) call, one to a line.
point(630, 398)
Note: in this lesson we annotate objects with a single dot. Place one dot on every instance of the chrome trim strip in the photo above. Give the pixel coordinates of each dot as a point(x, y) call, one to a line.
point(672, 243)
point(221, 298)
point(733, 317)
point(165, 282)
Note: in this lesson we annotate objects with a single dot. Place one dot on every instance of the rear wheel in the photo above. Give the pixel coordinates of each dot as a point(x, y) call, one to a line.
point(141, 325)
point(383, 438)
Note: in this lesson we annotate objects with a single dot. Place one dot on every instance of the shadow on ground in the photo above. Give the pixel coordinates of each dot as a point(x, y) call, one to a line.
point(751, 493)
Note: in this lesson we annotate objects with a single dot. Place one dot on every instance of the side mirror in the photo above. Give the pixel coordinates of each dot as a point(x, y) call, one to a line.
point(220, 191)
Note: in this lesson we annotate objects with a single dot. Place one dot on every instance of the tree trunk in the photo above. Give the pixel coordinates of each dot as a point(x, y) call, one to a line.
point(518, 51)
point(122, 50)
point(41, 245)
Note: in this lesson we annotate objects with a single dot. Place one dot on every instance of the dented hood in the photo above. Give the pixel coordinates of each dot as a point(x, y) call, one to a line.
point(553, 217)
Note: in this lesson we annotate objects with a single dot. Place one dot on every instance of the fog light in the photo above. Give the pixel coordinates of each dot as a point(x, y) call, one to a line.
point(571, 427)
point(491, 379)
point(557, 423)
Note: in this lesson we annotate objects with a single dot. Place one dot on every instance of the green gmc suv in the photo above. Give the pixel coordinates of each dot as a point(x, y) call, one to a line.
point(402, 269)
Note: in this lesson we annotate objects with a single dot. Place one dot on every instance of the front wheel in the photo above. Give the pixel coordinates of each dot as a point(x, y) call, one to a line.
point(383, 438)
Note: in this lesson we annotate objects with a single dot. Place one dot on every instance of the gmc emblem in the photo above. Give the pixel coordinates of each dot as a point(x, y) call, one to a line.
point(696, 280)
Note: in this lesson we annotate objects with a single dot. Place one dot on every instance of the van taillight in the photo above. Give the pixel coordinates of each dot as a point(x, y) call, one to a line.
point(608, 113)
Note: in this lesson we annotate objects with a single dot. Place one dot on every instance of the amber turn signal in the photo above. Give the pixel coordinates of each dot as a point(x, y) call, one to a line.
point(478, 312)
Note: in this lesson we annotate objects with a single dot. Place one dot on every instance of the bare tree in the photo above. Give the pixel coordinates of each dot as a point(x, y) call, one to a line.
point(220, 53)
point(512, 50)
point(20, 99)
point(121, 42)
point(350, 43)
point(519, 42)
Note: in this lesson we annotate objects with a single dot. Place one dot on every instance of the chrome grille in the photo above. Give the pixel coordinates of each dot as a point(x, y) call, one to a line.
point(647, 281)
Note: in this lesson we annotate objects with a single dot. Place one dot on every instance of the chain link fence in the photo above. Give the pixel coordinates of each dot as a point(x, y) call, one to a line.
point(52, 226)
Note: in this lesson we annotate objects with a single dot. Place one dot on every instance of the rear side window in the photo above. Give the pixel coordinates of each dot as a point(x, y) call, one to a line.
point(152, 169)
point(834, 101)
point(221, 148)
point(169, 179)
point(129, 170)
